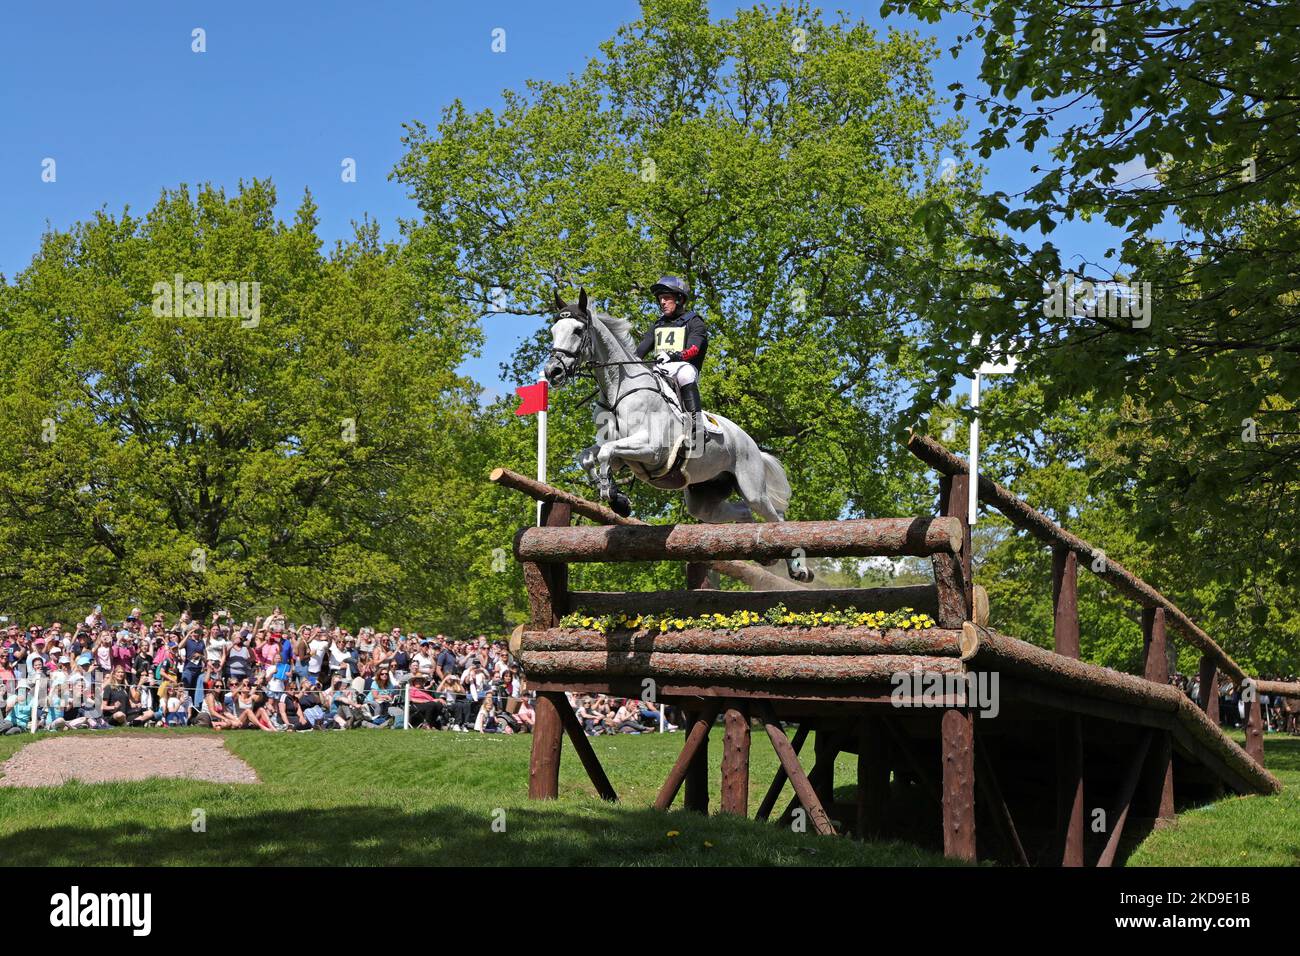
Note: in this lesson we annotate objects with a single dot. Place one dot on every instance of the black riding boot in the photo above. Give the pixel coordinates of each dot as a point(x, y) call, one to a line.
point(691, 405)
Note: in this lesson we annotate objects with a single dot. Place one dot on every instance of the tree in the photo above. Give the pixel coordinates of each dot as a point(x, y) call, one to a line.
point(1164, 120)
point(198, 407)
point(776, 161)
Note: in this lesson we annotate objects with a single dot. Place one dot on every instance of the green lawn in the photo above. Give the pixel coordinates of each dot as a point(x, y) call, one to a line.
point(1237, 831)
point(392, 797)
point(407, 797)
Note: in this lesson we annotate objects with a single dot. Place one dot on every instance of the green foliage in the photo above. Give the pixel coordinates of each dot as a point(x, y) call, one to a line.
point(1176, 117)
point(776, 160)
point(188, 458)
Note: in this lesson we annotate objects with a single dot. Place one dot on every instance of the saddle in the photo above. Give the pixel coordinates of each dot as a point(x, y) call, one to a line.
point(674, 476)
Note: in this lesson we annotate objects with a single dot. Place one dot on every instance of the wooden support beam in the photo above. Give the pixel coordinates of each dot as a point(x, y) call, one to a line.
point(873, 779)
point(695, 744)
point(825, 751)
point(919, 597)
point(544, 758)
point(1040, 526)
point(735, 759)
point(794, 770)
point(915, 764)
point(1069, 750)
point(1209, 699)
point(778, 782)
point(1125, 799)
point(1255, 729)
point(958, 743)
point(754, 575)
point(845, 669)
point(1155, 647)
point(547, 582)
point(696, 793)
point(765, 541)
point(582, 745)
point(1155, 668)
point(1158, 785)
point(1065, 601)
point(952, 572)
point(697, 578)
point(992, 793)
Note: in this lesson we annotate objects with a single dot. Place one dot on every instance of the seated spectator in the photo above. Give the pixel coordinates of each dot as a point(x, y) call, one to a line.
point(426, 710)
point(488, 722)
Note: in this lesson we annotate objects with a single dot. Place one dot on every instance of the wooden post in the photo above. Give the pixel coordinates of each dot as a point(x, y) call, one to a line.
point(952, 574)
point(697, 577)
point(1255, 729)
point(1065, 601)
point(1155, 650)
point(990, 790)
point(1160, 776)
point(1209, 699)
point(696, 742)
point(548, 586)
point(1120, 814)
point(697, 770)
point(778, 781)
point(735, 759)
point(544, 761)
point(804, 792)
point(958, 735)
point(1155, 653)
point(578, 737)
point(823, 775)
point(873, 779)
point(1069, 750)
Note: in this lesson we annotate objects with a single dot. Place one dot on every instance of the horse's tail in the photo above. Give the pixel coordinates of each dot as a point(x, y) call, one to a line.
point(778, 486)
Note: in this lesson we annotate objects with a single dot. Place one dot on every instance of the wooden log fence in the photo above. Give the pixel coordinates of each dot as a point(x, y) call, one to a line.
point(770, 541)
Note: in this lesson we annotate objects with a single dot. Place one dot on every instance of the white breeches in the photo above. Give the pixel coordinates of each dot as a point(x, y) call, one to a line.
point(684, 373)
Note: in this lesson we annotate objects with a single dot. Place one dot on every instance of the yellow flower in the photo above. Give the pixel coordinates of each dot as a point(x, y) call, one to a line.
point(673, 833)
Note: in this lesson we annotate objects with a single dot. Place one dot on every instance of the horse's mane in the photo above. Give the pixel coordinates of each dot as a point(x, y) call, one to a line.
point(622, 329)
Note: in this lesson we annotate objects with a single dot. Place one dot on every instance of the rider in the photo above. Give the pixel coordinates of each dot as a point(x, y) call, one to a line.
point(679, 341)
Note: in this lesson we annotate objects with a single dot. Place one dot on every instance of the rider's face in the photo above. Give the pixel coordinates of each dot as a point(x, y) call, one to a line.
point(667, 303)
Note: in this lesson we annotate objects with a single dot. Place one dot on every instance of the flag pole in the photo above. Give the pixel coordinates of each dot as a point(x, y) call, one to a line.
point(541, 453)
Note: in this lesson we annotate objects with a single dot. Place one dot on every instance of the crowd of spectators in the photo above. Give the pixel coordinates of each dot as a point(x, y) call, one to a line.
point(271, 675)
point(268, 674)
point(1280, 714)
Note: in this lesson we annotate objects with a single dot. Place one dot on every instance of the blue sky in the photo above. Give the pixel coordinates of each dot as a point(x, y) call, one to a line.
point(114, 94)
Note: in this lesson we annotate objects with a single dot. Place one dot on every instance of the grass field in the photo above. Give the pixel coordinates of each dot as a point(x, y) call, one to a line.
point(390, 797)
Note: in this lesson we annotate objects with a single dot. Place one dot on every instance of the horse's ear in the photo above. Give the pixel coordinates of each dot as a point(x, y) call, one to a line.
point(582, 300)
point(559, 303)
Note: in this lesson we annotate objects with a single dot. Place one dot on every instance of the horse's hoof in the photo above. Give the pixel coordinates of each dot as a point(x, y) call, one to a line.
point(621, 504)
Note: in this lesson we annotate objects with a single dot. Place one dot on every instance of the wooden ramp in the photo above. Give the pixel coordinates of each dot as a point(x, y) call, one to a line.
point(965, 738)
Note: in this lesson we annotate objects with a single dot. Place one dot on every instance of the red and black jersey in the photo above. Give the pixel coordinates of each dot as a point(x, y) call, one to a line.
point(686, 328)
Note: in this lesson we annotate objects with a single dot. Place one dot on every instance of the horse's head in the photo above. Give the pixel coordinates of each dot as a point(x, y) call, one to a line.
point(570, 339)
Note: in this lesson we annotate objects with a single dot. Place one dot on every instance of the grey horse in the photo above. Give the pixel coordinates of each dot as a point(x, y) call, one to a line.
point(639, 425)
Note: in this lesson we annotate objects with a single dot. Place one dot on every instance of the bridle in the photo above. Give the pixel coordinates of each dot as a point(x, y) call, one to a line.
point(580, 366)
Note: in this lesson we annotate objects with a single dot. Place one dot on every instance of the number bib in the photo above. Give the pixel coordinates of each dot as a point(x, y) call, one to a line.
point(670, 338)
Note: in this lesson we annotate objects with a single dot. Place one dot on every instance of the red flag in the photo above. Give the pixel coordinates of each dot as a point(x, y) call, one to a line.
point(533, 398)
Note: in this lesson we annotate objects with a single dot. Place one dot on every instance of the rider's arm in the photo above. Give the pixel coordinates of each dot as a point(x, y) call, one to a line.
point(696, 337)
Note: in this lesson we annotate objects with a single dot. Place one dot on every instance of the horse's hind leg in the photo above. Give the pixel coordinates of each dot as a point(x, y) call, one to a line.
point(753, 488)
point(710, 507)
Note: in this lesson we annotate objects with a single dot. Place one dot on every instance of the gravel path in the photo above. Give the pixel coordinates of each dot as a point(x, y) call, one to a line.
point(95, 758)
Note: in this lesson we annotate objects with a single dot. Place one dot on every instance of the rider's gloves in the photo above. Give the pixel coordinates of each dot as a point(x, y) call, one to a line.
point(661, 358)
